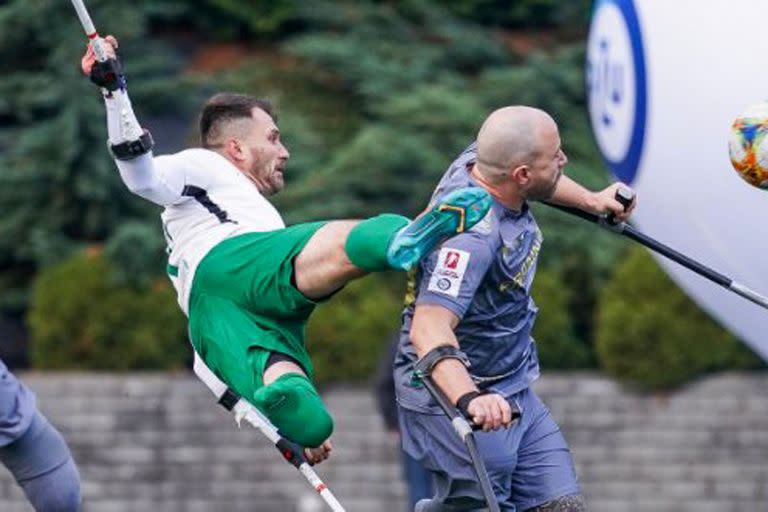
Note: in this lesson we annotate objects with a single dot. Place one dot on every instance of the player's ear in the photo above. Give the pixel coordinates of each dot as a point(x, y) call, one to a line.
point(235, 150)
point(521, 174)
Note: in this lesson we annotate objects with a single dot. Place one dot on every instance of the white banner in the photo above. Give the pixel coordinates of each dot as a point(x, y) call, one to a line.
point(666, 79)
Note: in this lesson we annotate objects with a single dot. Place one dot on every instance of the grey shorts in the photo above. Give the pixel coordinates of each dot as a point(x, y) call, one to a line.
point(528, 464)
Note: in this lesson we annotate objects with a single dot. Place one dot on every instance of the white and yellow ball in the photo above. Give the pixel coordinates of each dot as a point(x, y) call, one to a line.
point(748, 145)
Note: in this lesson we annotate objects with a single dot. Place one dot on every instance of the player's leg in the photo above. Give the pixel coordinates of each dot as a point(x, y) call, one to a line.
point(529, 464)
point(545, 478)
point(263, 360)
point(55, 491)
point(418, 480)
point(570, 503)
point(290, 400)
point(341, 251)
point(41, 463)
point(431, 439)
point(322, 267)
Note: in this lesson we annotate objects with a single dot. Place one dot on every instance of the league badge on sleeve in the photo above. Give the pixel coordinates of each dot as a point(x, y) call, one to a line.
point(449, 272)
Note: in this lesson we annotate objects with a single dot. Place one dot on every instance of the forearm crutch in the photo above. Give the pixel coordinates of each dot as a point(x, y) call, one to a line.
point(625, 197)
point(465, 432)
point(243, 410)
point(129, 126)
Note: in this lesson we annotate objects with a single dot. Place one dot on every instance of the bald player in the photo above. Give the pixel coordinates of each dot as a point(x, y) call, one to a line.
point(469, 317)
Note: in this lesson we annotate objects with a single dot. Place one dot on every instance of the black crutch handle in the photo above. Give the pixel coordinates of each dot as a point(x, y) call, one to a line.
point(291, 452)
point(624, 196)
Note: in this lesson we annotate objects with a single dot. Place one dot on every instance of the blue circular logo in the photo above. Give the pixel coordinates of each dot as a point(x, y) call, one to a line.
point(616, 86)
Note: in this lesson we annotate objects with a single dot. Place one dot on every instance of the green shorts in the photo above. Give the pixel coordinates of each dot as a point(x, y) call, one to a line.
point(243, 305)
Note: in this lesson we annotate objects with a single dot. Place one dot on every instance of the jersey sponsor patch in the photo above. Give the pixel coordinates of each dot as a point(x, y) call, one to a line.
point(449, 271)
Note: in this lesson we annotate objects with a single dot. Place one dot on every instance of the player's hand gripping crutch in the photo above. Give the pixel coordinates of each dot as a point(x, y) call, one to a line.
point(108, 74)
point(243, 410)
point(107, 66)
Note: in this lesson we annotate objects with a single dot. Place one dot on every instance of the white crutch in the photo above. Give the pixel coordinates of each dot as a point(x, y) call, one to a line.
point(243, 410)
point(129, 126)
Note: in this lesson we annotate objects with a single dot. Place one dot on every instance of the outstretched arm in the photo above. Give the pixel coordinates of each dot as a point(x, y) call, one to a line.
point(570, 193)
point(130, 145)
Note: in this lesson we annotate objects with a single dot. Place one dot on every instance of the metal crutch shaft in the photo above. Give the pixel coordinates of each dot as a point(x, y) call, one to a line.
point(630, 232)
point(464, 430)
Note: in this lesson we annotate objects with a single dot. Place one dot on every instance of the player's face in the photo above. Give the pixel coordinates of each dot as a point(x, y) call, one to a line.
point(268, 156)
point(547, 168)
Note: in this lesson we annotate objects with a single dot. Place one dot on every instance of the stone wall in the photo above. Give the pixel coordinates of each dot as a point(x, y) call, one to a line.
point(157, 443)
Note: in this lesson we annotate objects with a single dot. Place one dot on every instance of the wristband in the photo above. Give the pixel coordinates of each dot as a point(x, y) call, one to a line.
point(108, 75)
point(462, 404)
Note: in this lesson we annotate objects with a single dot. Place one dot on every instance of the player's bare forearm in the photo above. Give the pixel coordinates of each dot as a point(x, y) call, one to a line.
point(433, 326)
point(570, 193)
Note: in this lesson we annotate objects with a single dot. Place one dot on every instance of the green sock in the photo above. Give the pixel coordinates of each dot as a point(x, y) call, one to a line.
point(368, 242)
point(292, 404)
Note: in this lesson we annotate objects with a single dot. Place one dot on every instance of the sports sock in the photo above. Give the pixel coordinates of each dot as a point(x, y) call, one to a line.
point(292, 404)
point(368, 241)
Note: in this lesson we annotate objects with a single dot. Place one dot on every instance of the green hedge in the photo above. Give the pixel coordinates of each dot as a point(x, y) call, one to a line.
point(79, 318)
point(347, 335)
point(556, 341)
point(652, 336)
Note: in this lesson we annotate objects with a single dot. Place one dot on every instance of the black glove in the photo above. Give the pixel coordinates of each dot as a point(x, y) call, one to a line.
point(108, 74)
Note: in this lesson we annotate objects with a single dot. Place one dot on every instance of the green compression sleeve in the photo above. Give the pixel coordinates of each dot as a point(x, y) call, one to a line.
point(367, 243)
point(292, 404)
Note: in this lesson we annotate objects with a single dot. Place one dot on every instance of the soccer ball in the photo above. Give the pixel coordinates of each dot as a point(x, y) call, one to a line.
point(748, 145)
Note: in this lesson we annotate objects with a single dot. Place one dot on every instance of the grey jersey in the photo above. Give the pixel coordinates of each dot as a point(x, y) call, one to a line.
point(483, 276)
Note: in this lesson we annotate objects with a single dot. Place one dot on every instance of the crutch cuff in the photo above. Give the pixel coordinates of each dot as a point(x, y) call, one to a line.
point(131, 149)
point(424, 366)
point(462, 404)
point(229, 399)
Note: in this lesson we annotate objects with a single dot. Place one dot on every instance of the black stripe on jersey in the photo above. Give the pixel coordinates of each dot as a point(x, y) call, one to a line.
point(201, 196)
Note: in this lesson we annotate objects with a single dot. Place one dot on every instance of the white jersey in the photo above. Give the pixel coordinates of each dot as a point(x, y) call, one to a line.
point(206, 199)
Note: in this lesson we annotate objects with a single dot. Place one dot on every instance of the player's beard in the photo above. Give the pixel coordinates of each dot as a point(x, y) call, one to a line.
point(276, 180)
point(543, 191)
point(268, 177)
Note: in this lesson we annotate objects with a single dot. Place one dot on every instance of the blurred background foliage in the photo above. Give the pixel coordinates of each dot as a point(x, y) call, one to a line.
point(375, 99)
point(82, 317)
point(664, 342)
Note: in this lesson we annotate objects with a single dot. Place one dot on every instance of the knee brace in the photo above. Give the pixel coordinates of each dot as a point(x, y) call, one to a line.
point(292, 404)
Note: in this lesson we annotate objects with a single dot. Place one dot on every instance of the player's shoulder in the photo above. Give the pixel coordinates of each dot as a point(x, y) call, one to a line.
point(200, 157)
point(199, 164)
point(464, 160)
point(482, 238)
point(484, 232)
point(488, 227)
